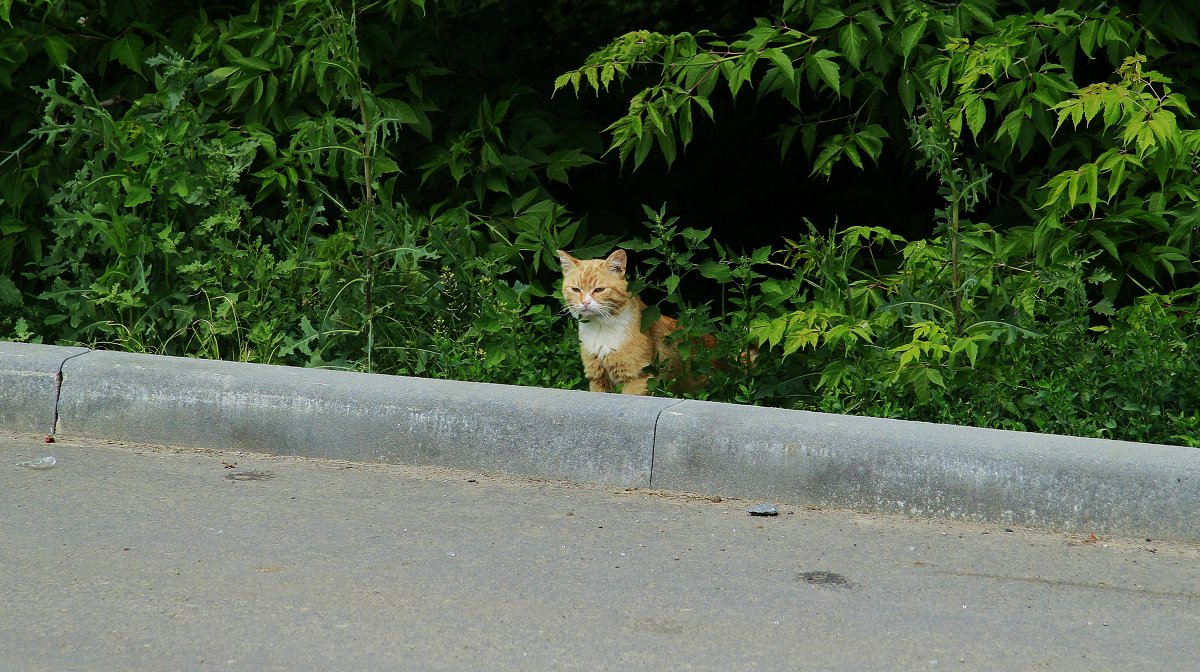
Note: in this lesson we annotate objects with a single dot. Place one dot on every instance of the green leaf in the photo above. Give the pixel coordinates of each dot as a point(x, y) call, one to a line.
point(655, 118)
point(9, 294)
point(827, 18)
point(127, 50)
point(980, 15)
point(1087, 37)
point(1091, 173)
point(831, 150)
point(1105, 242)
point(715, 270)
point(606, 75)
point(827, 69)
point(741, 71)
point(853, 42)
point(666, 144)
point(641, 149)
point(255, 64)
point(908, 95)
point(976, 114)
point(57, 49)
point(1073, 186)
point(873, 25)
point(935, 377)
point(136, 194)
point(562, 80)
point(782, 62)
point(695, 236)
point(909, 38)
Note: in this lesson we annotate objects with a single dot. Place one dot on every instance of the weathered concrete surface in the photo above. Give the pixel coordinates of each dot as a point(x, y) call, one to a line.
point(138, 558)
point(29, 385)
point(284, 410)
point(925, 469)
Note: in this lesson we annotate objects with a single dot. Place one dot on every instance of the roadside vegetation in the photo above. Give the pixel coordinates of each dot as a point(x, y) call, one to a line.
point(981, 212)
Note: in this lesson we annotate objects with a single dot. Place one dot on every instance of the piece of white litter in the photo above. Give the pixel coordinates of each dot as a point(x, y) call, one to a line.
point(40, 463)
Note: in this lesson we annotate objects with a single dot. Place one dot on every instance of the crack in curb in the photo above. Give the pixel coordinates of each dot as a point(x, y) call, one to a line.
point(654, 436)
point(58, 383)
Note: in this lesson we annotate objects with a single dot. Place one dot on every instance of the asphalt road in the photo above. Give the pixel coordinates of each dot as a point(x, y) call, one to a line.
point(125, 557)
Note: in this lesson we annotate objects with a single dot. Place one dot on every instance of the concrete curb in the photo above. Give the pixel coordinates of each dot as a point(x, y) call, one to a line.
point(356, 416)
point(29, 377)
point(1067, 483)
point(924, 469)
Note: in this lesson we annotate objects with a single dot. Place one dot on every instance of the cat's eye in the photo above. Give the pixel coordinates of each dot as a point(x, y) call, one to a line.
point(575, 289)
point(597, 290)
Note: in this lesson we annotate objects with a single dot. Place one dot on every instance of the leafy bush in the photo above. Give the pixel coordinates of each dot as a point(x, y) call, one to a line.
point(382, 187)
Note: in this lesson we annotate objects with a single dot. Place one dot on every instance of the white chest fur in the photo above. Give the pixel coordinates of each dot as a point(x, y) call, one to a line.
point(601, 336)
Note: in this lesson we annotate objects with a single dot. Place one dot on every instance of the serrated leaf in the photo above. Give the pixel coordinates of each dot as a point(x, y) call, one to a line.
point(827, 18)
point(127, 50)
point(851, 153)
point(136, 194)
point(606, 75)
point(872, 24)
point(976, 114)
point(1091, 173)
point(1073, 186)
point(741, 71)
point(782, 62)
point(909, 38)
point(823, 165)
point(980, 15)
point(935, 377)
point(666, 144)
point(655, 118)
point(1087, 37)
point(1106, 243)
point(642, 149)
point(852, 42)
point(827, 69)
point(683, 121)
point(1113, 111)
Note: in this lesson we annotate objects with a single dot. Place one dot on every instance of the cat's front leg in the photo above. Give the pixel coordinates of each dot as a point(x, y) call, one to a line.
point(598, 380)
point(637, 386)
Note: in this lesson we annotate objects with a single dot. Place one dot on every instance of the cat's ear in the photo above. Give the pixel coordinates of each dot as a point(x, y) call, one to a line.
point(567, 260)
point(616, 262)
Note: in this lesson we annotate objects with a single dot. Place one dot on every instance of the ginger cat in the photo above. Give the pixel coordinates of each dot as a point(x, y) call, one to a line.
point(614, 349)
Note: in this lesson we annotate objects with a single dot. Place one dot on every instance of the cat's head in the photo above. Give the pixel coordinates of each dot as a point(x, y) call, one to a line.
point(594, 287)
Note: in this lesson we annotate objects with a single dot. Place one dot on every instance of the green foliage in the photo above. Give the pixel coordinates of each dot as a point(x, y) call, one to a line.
point(1002, 78)
point(251, 201)
point(382, 186)
point(949, 327)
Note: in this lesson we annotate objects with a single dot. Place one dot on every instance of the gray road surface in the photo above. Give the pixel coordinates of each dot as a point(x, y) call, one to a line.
point(126, 557)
